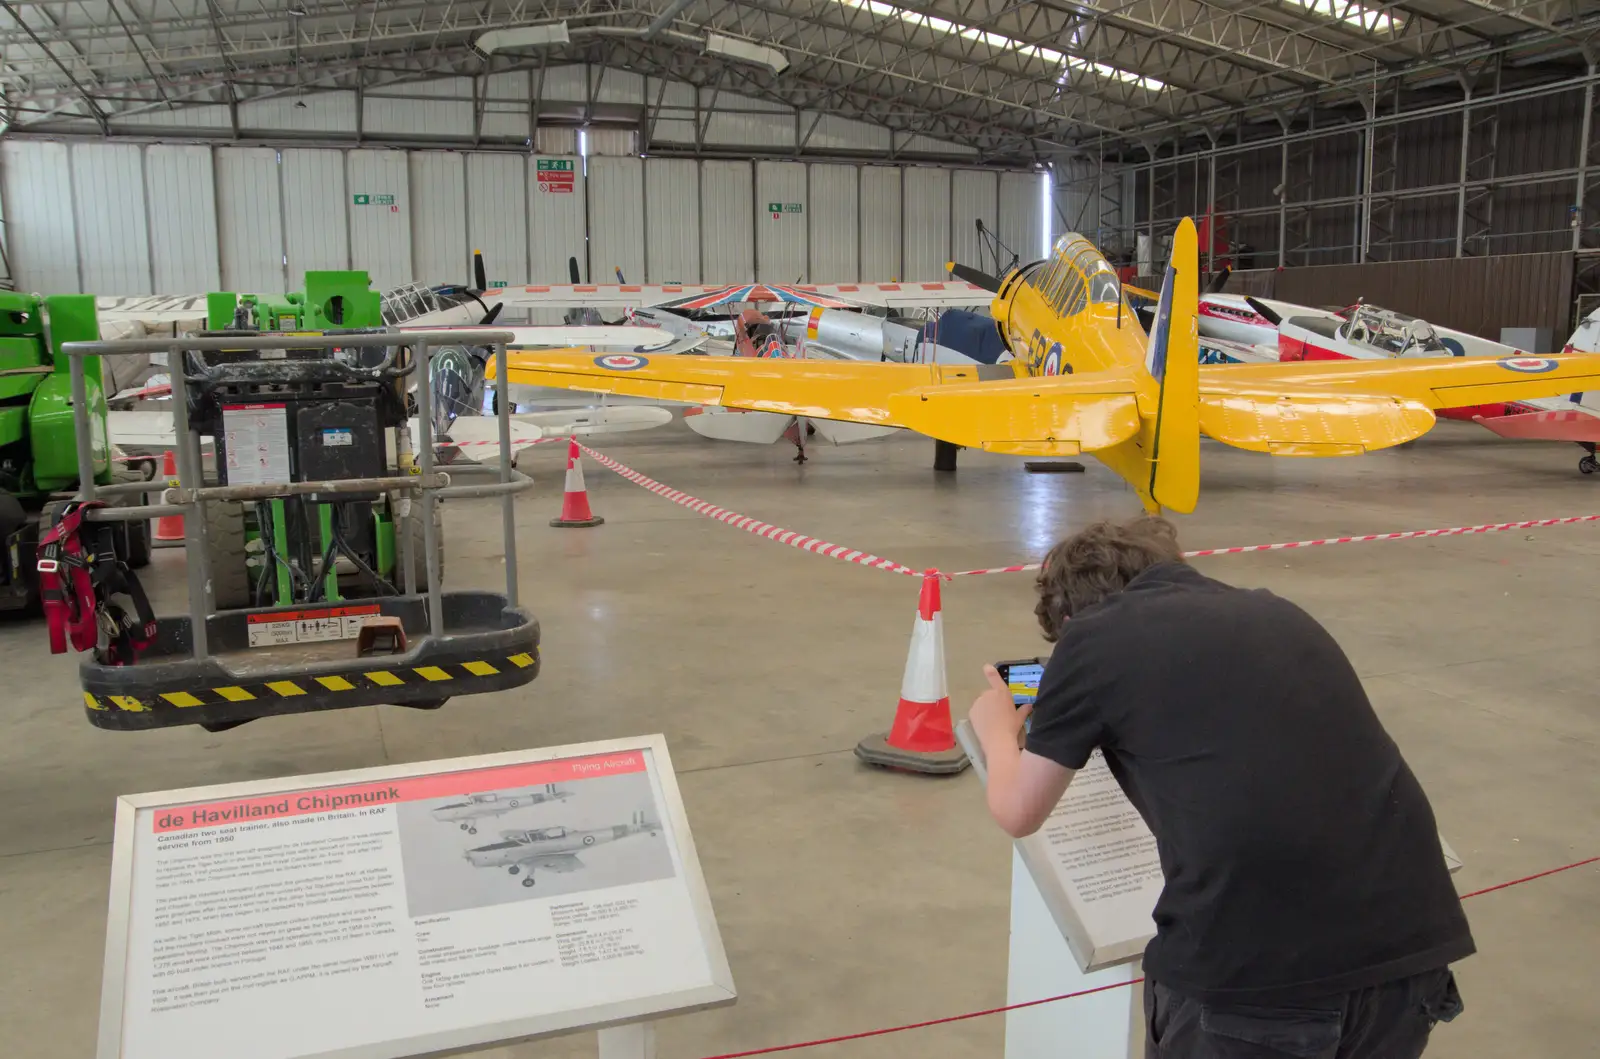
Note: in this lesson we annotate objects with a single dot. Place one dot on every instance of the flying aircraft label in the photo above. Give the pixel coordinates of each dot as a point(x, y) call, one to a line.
point(311, 916)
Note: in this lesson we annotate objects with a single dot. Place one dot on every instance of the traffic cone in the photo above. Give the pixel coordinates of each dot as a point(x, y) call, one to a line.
point(575, 501)
point(923, 737)
point(169, 528)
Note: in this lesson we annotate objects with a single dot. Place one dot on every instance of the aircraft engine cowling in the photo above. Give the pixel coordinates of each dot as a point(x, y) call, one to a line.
point(848, 334)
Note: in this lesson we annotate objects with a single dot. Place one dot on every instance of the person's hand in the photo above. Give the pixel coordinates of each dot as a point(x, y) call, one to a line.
point(995, 717)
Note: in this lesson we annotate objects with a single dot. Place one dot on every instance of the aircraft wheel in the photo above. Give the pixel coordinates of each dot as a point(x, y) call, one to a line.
point(528, 881)
point(513, 869)
point(513, 803)
point(463, 827)
point(472, 831)
point(1588, 465)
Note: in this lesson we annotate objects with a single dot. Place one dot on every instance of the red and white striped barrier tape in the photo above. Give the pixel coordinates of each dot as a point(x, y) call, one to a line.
point(745, 522)
point(966, 1015)
point(839, 551)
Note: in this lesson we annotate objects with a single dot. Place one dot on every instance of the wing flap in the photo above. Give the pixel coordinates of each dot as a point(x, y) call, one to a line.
point(1290, 423)
point(1045, 416)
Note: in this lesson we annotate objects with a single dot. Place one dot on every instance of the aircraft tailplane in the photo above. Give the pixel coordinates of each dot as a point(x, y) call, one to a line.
point(1173, 362)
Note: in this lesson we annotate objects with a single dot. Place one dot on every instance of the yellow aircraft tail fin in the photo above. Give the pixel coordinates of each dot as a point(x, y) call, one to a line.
point(1173, 362)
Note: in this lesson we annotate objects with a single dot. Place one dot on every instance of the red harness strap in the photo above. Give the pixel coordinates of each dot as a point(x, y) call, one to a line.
point(79, 573)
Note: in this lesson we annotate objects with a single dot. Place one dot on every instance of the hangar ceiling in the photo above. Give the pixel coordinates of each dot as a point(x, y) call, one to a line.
point(1014, 80)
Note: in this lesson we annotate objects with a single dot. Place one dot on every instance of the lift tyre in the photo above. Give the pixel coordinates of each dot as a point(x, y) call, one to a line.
point(944, 455)
point(1588, 465)
point(231, 588)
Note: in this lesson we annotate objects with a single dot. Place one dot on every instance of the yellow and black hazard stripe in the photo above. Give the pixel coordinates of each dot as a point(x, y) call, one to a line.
point(378, 678)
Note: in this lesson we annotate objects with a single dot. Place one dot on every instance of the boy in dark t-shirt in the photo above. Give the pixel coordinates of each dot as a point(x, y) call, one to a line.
point(1307, 909)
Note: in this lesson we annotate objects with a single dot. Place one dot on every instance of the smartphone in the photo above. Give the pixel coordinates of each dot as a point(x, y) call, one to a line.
point(1023, 677)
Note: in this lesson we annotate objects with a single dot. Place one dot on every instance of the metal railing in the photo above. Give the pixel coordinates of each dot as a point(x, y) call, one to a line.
point(190, 496)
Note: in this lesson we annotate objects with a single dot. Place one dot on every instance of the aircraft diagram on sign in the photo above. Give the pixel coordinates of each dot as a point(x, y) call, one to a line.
point(1085, 378)
point(552, 848)
point(495, 803)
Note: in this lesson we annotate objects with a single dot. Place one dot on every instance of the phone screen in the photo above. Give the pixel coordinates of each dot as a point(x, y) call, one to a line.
point(1023, 678)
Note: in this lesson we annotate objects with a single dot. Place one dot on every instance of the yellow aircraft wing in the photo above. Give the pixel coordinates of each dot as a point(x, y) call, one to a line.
point(853, 391)
point(1346, 407)
point(978, 406)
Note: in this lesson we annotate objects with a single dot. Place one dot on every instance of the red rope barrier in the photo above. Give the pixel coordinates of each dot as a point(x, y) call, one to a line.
point(1064, 996)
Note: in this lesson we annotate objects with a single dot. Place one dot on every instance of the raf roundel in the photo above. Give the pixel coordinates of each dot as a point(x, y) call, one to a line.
point(621, 362)
point(1529, 365)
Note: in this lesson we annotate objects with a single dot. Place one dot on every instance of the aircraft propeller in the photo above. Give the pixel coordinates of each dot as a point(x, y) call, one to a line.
point(480, 284)
point(1261, 307)
point(975, 277)
point(1219, 280)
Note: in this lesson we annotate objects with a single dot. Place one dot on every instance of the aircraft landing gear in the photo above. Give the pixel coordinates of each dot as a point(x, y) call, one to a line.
point(528, 881)
point(1588, 465)
point(513, 869)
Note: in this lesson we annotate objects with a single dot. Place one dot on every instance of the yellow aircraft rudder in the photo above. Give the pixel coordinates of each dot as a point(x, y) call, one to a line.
point(1173, 361)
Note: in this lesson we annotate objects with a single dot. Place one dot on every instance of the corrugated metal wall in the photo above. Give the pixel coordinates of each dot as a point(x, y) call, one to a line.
point(672, 220)
point(834, 228)
point(727, 221)
point(1021, 225)
point(182, 191)
point(130, 219)
point(380, 233)
point(497, 214)
point(881, 246)
point(616, 219)
point(249, 220)
point(315, 207)
point(109, 214)
point(974, 196)
point(438, 206)
point(927, 222)
point(1517, 139)
point(1479, 295)
point(781, 242)
point(41, 237)
point(557, 221)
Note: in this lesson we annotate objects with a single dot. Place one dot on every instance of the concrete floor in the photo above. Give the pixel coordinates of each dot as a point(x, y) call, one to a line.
point(848, 898)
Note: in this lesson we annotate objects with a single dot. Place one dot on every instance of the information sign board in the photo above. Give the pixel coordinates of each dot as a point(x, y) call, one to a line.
point(422, 909)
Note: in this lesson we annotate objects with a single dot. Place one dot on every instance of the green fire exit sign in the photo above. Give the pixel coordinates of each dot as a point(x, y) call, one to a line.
point(373, 200)
point(778, 208)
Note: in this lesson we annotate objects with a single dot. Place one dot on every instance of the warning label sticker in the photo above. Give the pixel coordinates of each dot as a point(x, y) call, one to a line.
point(317, 625)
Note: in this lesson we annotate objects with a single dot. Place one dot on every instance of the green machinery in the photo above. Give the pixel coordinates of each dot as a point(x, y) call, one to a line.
point(38, 456)
point(331, 300)
point(327, 418)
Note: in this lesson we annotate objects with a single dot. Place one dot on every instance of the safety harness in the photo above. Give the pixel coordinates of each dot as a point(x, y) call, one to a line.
point(79, 574)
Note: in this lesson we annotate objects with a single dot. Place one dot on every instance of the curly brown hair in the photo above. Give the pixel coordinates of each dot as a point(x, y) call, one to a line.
point(1098, 561)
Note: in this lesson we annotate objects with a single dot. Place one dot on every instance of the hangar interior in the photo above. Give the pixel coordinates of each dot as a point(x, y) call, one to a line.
point(1437, 158)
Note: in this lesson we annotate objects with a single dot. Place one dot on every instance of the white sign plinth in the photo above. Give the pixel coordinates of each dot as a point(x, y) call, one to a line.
point(1082, 891)
point(426, 909)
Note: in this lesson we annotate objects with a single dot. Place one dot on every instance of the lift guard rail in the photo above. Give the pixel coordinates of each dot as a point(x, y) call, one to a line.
point(188, 499)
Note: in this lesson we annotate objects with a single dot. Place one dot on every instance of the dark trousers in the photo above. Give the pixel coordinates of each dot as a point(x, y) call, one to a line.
point(1389, 1021)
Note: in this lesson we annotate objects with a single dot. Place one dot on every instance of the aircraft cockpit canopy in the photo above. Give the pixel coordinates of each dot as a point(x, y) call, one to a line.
point(1076, 276)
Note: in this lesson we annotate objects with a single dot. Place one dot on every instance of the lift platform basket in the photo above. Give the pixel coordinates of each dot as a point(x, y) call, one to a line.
point(488, 645)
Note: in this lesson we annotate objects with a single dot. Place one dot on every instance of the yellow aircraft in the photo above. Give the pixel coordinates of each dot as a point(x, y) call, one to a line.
point(1086, 379)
